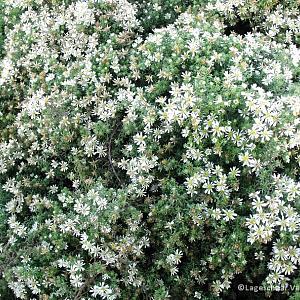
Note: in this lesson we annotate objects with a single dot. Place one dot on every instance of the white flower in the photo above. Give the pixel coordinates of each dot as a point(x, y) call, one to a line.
point(76, 280)
point(82, 208)
point(229, 215)
point(101, 290)
point(246, 158)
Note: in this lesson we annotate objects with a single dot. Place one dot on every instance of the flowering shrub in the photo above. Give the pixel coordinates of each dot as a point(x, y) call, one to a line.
point(277, 19)
point(146, 152)
point(158, 13)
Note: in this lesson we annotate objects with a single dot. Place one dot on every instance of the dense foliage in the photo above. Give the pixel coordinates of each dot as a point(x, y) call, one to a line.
point(149, 149)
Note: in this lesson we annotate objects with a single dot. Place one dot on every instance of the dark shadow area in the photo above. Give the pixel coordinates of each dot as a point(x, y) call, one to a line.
point(242, 27)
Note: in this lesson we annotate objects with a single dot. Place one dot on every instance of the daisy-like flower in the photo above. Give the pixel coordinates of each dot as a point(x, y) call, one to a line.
point(229, 215)
point(76, 280)
point(246, 158)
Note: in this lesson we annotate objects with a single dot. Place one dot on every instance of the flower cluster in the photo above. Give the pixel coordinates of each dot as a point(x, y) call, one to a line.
point(147, 149)
point(279, 20)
